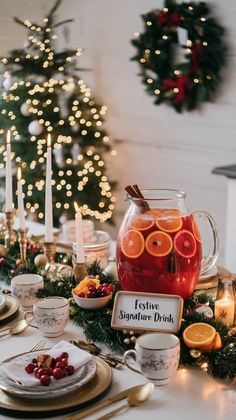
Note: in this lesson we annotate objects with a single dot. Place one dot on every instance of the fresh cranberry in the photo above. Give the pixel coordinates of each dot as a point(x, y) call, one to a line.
point(70, 370)
point(58, 359)
point(36, 369)
point(45, 380)
point(58, 365)
point(64, 355)
point(106, 284)
point(92, 288)
point(34, 361)
point(64, 361)
point(81, 294)
point(58, 373)
point(91, 295)
point(50, 371)
point(42, 372)
point(30, 368)
point(100, 287)
point(111, 287)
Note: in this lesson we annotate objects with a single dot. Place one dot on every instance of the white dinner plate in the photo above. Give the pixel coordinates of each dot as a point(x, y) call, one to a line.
point(58, 388)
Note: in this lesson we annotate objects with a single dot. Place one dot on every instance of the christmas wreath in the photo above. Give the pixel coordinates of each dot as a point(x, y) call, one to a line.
point(186, 84)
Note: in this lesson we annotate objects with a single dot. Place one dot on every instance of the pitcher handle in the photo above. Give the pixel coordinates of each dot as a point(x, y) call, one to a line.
point(209, 261)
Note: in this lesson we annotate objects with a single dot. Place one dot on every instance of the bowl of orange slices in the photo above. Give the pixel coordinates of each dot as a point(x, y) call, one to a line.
point(91, 294)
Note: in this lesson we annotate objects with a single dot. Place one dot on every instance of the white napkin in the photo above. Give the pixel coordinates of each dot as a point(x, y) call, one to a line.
point(16, 370)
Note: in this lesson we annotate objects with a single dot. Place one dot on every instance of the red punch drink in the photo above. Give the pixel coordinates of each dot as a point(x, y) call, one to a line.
point(159, 250)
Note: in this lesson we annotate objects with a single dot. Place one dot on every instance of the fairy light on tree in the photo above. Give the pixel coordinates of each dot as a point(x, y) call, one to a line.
point(42, 93)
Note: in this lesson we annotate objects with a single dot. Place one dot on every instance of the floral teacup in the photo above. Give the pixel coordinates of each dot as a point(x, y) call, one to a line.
point(25, 286)
point(157, 355)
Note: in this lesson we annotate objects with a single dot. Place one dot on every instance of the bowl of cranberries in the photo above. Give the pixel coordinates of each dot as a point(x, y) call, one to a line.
point(91, 294)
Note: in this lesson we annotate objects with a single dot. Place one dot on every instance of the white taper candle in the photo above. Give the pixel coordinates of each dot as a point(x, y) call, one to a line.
point(8, 177)
point(20, 200)
point(48, 195)
point(80, 255)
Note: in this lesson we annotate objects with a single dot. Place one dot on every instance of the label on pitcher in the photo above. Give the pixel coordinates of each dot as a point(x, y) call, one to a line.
point(147, 312)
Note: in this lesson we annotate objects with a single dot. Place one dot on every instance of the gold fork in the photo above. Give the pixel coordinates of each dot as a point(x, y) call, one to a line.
point(38, 346)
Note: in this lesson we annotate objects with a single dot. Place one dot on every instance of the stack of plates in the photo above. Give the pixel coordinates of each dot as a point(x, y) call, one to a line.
point(57, 388)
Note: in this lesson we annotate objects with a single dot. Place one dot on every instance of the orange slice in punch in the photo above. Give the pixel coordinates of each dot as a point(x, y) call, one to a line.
point(196, 231)
point(158, 243)
point(155, 213)
point(198, 335)
point(185, 244)
point(132, 243)
point(141, 223)
point(172, 223)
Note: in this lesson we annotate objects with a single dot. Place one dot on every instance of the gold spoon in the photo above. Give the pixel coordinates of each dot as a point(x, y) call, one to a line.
point(17, 328)
point(135, 397)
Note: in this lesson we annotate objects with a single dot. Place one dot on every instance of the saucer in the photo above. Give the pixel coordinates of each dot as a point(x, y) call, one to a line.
point(10, 308)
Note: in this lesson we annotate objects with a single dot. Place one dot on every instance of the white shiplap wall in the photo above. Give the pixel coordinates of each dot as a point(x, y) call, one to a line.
point(161, 148)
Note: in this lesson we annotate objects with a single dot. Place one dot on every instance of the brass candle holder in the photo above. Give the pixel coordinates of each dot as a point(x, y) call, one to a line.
point(23, 242)
point(80, 271)
point(49, 249)
point(10, 237)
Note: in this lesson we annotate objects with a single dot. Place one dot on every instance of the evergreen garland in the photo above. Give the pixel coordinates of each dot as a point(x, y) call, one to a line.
point(186, 84)
point(96, 324)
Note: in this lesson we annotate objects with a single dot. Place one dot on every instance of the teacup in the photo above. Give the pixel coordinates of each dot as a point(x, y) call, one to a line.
point(157, 355)
point(51, 315)
point(25, 286)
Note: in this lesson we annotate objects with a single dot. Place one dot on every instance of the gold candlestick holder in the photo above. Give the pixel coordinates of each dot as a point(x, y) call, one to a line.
point(49, 249)
point(80, 271)
point(23, 242)
point(10, 237)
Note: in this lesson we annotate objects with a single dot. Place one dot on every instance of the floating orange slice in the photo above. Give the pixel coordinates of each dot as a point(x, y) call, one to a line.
point(172, 224)
point(185, 244)
point(196, 231)
point(141, 223)
point(132, 243)
point(154, 212)
point(158, 243)
point(198, 335)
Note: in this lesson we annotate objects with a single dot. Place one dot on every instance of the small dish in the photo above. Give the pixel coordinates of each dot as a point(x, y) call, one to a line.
point(10, 308)
point(2, 302)
point(92, 303)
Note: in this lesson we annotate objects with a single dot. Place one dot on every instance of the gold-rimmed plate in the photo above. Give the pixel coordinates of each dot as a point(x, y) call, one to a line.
point(10, 308)
point(78, 399)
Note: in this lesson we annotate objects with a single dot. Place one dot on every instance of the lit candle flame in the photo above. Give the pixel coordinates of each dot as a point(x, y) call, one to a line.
point(19, 174)
point(8, 136)
point(49, 140)
point(76, 207)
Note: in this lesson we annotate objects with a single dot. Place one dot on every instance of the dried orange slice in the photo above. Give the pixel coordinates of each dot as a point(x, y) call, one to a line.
point(196, 231)
point(132, 243)
point(185, 244)
point(172, 224)
point(158, 243)
point(141, 223)
point(199, 335)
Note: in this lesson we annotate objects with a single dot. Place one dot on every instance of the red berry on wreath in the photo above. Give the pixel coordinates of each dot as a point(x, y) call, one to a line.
point(3, 261)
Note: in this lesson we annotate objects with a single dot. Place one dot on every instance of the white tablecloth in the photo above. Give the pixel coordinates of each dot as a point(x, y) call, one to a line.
point(192, 394)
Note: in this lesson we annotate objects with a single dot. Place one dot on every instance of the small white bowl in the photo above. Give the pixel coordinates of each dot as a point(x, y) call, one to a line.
point(91, 303)
point(2, 302)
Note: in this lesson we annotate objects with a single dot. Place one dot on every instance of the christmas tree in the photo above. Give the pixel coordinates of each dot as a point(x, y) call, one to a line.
point(42, 93)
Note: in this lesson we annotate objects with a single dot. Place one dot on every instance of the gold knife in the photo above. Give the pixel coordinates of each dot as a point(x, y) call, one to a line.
point(101, 404)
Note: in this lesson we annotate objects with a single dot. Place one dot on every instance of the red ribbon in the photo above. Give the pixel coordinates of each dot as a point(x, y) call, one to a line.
point(196, 58)
point(169, 20)
point(181, 83)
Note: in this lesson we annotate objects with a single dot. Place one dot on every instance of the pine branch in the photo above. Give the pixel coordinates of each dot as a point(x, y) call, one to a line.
point(54, 8)
point(62, 23)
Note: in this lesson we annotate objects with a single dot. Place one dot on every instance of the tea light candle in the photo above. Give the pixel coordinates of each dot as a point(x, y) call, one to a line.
point(20, 200)
point(224, 311)
point(8, 179)
point(48, 195)
point(80, 255)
